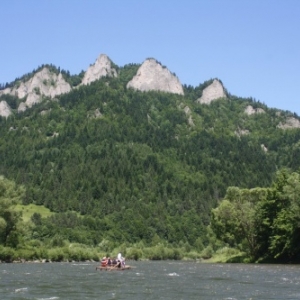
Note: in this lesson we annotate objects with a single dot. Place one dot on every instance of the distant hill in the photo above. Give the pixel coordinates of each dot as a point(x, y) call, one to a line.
point(137, 153)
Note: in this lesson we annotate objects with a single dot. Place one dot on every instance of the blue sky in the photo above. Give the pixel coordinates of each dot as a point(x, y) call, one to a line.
point(253, 46)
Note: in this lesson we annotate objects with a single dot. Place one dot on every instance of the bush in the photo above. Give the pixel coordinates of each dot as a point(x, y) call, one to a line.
point(56, 254)
point(228, 251)
point(27, 254)
point(207, 252)
point(156, 253)
point(134, 253)
point(7, 254)
point(41, 253)
point(57, 241)
point(161, 252)
point(193, 255)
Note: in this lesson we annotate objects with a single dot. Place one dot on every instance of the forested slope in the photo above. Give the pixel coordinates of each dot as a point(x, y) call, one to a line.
point(133, 166)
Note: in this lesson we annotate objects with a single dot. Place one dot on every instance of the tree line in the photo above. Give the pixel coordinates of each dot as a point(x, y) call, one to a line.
point(125, 166)
point(262, 222)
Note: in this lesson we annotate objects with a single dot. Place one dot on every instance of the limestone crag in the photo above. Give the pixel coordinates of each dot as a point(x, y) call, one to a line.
point(212, 92)
point(264, 148)
point(43, 83)
point(22, 107)
point(152, 76)
point(95, 114)
point(290, 123)
point(188, 112)
point(5, 91)
point(251, 111)
point(5, 110)
point(101, 68)
point(239, 132)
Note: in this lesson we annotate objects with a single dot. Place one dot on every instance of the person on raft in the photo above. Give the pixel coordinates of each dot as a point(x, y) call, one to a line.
point(120, 261)
point(104, 262)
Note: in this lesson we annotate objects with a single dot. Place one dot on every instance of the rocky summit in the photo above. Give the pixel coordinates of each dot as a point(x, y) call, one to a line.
point(213, 92)
point(251, 111)
point(101, 68)
point(43, 83)
point(290, 123)
point(5, 110)
point(152, 76)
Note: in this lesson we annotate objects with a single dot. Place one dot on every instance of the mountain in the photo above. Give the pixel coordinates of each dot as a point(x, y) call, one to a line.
point(42, 83)
point(129, 154)
point(212, 92)
point(5, 110)
point(101, 68)
point(152, 76)
point(47, 83)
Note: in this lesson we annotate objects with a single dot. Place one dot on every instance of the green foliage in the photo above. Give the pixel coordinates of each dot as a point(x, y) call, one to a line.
point(234, 220)
point(134, 254)
point(263, 222)
point(7, 254)
point(73, 80)
point(12, 101)
point(137, 171)
point(10, 195)
point(207, 252)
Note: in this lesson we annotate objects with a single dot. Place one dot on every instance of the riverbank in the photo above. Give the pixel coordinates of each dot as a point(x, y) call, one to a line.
point(82, 253)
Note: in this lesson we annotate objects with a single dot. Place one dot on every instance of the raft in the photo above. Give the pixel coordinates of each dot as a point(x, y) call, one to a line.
point(113, 268)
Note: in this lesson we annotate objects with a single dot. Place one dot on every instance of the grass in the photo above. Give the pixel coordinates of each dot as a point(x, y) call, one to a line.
point(227, 255)
point(29, 210)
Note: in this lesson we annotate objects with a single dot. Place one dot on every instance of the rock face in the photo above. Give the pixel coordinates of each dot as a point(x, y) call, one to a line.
point(43, 83)
point(5, 110)
point(251, 111)
point(5, 91)
point(152, 76)
point(264, 148)
point(22, 107)
point(289, 124)
point(101, 68)
point(188, 112)
point(239, 132)
point(214, 91)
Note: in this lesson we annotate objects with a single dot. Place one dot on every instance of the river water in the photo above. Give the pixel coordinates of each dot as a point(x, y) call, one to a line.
point(149, 280)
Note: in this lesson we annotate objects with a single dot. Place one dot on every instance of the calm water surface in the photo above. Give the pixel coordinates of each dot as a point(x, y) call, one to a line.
point(149, 280)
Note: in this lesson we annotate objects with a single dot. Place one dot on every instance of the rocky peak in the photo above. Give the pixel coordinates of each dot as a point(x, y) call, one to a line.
point(290, 123)
point(43, 83)
point(101, 68)
point(212, 92)
point(152, 76)
point(239, 132)
point(251, 111)
point(5, 110)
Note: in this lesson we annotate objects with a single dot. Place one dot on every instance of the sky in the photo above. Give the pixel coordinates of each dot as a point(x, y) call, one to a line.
point(252, 46)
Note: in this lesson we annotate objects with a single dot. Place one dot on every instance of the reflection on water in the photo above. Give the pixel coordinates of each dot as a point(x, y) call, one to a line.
point(149, 280)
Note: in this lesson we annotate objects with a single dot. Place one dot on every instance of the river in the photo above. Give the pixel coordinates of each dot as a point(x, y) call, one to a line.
point(149, 280)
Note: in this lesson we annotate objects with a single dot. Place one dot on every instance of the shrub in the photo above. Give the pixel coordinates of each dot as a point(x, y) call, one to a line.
point(7, 254)
point(207, 252)
point(56, 254)
point(134, 253)
point(27, 254)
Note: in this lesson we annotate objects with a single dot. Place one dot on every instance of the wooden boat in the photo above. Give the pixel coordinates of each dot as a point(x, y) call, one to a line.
point(113, 268)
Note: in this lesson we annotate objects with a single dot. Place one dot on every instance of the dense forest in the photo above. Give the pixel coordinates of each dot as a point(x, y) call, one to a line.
point(123, 168)
point(263, 222)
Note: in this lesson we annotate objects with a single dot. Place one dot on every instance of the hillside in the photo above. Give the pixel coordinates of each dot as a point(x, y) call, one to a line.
point(138, 159)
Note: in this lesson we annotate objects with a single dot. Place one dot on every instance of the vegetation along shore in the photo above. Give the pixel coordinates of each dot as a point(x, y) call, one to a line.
point(127, 159)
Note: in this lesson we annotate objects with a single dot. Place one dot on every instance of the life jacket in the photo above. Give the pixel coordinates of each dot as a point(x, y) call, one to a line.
point(103, 263)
